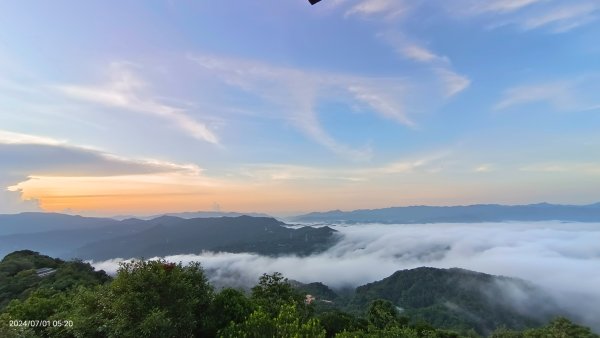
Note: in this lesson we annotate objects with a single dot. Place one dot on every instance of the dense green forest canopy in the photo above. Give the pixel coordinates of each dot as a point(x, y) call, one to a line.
point(18, 276)
point(161, 299)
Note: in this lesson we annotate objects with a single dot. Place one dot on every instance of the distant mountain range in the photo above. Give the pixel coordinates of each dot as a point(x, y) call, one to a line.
point(68, 236)
point(59, 235)
point(261, 235)
point(459, 214)
point(196, 214)
point(30, 222)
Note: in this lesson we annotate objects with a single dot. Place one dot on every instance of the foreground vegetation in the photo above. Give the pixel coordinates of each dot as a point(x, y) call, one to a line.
point(161, 299)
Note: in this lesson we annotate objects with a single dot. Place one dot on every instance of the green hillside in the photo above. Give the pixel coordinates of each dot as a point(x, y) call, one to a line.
point(19, 275)
point(161, 299)
point(460, 299)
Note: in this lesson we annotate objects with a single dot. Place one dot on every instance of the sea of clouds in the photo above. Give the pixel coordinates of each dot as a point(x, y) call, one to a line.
point(562, 258)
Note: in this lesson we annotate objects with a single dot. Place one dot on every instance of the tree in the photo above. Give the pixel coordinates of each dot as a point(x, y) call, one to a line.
point(382, 313)
point(147, 293)
point(389, 332)
point(504, 332)
point(290, 324)
point(287, 324)
point(274, 291)
point(42, 304)
point(146, 299)
point(229, 306)
point(90, 311)
point(337, 321)
point(560, 327)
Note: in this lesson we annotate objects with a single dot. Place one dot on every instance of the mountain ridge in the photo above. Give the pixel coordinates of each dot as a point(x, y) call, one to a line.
point(453, 298)
point(459, 214)
point(151, 237)
point(261, 235)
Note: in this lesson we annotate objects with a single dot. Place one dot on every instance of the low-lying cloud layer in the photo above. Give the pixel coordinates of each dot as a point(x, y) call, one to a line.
point(563, 258)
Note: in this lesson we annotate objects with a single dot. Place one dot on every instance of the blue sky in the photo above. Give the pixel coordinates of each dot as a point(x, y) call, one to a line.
point(283, 107)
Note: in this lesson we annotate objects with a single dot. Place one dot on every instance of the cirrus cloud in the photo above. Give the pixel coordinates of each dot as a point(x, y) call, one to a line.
point(125, 92)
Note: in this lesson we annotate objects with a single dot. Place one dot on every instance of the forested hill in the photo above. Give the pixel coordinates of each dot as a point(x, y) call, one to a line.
point(25, 272)
point(205, 214)
point(457, 298)
point(68, 236)
point(53, 298)
point(260, 235)
point(460, 214)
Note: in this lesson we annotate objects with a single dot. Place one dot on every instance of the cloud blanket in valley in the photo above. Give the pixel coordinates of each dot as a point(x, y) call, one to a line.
point(563, 258)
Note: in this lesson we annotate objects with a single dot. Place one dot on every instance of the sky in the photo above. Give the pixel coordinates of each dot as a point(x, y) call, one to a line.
point(142, 107)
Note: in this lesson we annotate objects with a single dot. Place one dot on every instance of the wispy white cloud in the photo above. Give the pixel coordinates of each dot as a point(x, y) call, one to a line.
point(444, 161)
point(309, 123)
point(385, 105)
point(296, 92)
point(577, 93)
point(440, 65)
point(555, 16)
point(564, 18)
point(289, 172)
point(590, 108)
point(387, 8)
point(566, 95)
point(453, 82)
point(409, 49)
point(430, 163)
point(126, 91)
point(483, 168)
point(401, 167)
point(38, 155)
point(589, 168)
point(8, 137)
point(421, 54)
point(504, 6)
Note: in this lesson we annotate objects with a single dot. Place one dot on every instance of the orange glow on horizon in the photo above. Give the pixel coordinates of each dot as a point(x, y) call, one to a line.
point(162, 193)
point(152, 194)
